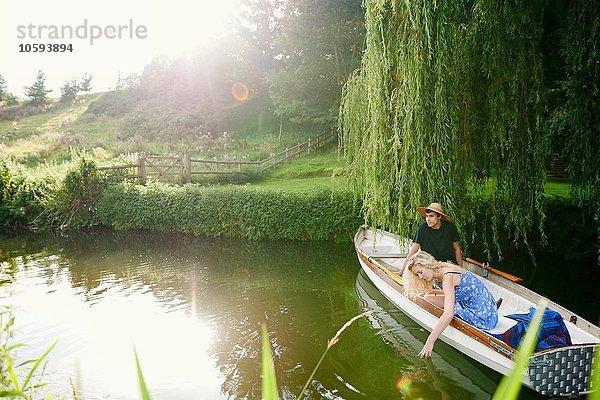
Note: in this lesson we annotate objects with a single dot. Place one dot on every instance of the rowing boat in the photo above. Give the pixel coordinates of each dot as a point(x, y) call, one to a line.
point(563, 371)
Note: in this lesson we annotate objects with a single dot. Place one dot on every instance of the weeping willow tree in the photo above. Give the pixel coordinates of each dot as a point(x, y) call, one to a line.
point(577, 120)
point(447, 103)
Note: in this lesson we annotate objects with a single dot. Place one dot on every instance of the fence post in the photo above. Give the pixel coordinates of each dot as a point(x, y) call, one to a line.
point(308, 146)
point(186, 169)
point(142, 166)
point(317, 142)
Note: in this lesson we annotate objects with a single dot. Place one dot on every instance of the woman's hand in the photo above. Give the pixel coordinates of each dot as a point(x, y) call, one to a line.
point(427, 349)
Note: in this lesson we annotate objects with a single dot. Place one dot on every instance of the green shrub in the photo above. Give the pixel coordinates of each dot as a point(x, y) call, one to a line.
point(232, 211)
point(21, 199)
point(73, 205)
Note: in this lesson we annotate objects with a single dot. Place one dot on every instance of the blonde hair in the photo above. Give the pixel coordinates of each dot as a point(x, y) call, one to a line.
point(413, 285)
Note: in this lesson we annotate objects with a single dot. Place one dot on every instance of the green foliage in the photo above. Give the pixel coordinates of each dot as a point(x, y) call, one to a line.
point(319, 214)
point(84, 83)
point(22, 199)
point(3, 90)
point(37, 92)
point(5, 182)
point(74, 204)
point(6, 98)
point(10, 99)
point(577, 119)
point(571, 228)
point(68, 91)
point(320, 45)
point(436, 110)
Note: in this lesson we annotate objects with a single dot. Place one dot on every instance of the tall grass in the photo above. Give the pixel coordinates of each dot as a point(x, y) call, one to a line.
point(10, 384)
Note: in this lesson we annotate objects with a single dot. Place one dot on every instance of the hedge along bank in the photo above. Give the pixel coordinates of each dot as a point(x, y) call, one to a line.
point(88, 199)
point(232, 211)
point(317, 214)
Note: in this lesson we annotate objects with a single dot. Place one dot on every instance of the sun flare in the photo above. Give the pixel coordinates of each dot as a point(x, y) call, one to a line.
point(184, 26)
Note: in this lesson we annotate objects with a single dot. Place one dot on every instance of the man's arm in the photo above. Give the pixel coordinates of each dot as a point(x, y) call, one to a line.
point(457, 252)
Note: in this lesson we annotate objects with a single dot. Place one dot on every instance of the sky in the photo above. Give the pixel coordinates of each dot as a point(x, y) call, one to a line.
point(108, 38)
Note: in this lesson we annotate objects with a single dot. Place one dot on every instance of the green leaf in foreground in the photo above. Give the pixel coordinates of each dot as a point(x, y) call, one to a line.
point(595, 383)
point(510, 386)
point(36, 365)
point(269, 382)
point(143, 389)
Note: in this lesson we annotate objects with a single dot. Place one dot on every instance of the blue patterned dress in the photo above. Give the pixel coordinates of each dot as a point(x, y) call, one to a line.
point(474, 303)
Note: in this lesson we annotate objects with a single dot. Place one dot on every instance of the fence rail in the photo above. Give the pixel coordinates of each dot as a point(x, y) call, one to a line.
point(181, 168)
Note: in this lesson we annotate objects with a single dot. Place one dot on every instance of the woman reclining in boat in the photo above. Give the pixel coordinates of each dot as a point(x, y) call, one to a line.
point(462, 294)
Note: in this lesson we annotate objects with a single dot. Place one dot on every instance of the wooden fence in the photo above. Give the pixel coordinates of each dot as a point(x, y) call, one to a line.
point(179, 169)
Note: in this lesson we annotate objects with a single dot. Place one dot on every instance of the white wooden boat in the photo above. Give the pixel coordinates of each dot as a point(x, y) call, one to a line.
point(563, 371)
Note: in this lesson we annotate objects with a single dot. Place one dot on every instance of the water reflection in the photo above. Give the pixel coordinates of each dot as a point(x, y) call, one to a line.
point(192, 308)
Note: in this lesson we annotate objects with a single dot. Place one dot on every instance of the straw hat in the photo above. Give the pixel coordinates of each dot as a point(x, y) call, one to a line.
point(437, 207)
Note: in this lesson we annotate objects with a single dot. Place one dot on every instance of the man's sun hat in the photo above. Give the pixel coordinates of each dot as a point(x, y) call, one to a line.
point(437, 207)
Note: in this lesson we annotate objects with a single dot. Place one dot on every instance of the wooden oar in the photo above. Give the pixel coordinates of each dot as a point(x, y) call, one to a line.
point(496, 271)
point(391, 273)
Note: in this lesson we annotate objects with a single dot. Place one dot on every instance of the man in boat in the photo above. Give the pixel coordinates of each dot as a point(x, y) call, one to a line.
point(437, 236)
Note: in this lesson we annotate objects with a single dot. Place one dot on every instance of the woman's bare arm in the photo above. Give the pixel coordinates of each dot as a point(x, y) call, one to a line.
point(445, 319)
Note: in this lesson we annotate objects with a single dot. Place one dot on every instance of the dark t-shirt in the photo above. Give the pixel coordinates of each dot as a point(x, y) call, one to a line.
point(438, 242)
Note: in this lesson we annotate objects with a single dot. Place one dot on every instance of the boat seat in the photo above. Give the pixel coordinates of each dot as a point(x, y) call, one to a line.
point(503, 325)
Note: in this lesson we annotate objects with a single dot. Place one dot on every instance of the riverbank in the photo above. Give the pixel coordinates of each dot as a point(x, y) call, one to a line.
point(308, 199)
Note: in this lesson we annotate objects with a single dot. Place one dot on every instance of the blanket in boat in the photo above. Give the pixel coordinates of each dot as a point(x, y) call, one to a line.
point(553, 332)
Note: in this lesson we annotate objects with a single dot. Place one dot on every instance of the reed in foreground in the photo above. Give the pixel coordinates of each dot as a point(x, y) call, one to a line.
point(510, 386)
point(269, 386)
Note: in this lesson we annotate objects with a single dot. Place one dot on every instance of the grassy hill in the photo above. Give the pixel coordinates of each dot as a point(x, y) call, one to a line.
point(46, 143)
point(108, 125)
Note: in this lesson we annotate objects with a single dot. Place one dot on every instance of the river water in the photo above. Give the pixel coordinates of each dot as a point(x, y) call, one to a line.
point(192, 307)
